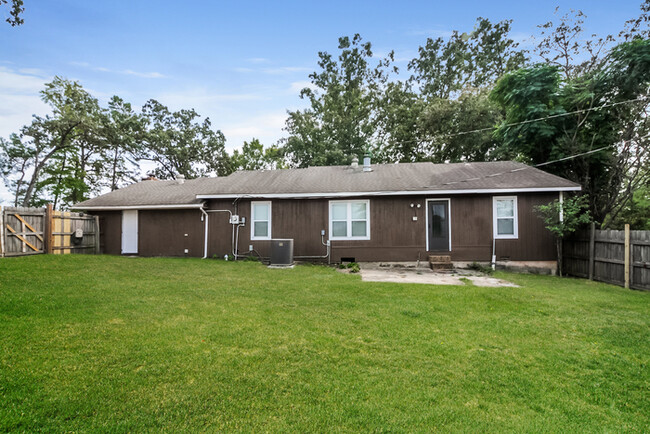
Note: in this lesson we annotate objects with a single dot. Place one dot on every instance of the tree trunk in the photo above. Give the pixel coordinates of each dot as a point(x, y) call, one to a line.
point(38, 166)
point(32, 182)
point(114, 174)
point(559, 256)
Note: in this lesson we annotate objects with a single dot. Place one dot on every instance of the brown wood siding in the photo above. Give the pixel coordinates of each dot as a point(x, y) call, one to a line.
point(220, 230)
point(160, 232)
point(170, 232)
point(471, 228)
point(535, 242)
point(394, 236)
point(110, 228)
point(300, 219)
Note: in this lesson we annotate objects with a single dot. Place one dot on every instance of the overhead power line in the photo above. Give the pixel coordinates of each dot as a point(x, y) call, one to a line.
point(530, 121)
point(559, 115)
point(545, 163)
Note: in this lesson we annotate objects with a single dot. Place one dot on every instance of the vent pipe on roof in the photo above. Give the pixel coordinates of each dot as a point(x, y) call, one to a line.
point(366, 162)
point(180, 178)
point(355, 162)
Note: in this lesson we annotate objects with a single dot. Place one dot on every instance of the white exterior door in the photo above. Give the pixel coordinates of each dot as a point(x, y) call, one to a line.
point(130, 232)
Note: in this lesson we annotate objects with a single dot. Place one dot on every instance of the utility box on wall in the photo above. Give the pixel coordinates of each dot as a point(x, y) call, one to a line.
point(281, 252)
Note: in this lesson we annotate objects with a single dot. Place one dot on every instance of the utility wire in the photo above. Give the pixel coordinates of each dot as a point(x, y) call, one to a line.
point(573, 156)
point(588, 152)
point(559, 115)
point(530, 121)
point(542, 164)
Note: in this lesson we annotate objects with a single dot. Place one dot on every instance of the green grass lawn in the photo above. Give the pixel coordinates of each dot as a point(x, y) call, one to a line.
point(101, 343)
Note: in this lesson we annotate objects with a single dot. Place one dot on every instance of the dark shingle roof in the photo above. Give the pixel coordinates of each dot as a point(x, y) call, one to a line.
point(384, 178)
point(149, 193)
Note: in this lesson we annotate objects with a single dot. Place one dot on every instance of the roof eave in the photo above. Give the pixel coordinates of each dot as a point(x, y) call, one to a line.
point(138, 207)
point(391, 193)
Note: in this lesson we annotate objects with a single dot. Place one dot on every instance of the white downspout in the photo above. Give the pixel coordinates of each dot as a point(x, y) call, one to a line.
point(561, 206)
point(205, 241)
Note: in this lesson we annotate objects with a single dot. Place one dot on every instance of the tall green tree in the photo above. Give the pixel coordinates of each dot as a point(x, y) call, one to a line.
point(47, 138)
point(598, 109)
point(341, 121)
point(426, 118)
point(564, 218)
point(82, 148)
point(461, 129)
point(123, 131)
point(447, 67)
point(15, 163)
point(254, 156)
point(178, 143)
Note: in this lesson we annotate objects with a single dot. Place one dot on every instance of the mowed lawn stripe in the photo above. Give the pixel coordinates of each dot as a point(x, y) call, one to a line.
point(144, 344)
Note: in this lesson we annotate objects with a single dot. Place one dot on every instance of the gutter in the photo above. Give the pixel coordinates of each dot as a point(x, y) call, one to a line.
point(138, 207)
point(390, 193)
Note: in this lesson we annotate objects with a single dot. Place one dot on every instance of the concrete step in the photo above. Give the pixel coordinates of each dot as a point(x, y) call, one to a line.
point(440, 262)
point(439, 266)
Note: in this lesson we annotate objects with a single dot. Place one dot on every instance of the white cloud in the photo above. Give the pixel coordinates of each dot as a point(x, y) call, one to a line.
point(124, 71)
point(524, 40)
point(286, 69)
point(33, 71)
point(19, 97)
point(279, 70)
point(143, 74)
point(258, 60)
point(19, 93)
point(82, 64)
point(297, 86)
point(400, 56)
point(431, 33)
point(267, 127)
point(203, 100)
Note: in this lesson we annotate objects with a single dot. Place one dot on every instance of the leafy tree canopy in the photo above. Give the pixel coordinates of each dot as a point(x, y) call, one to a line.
point(16, 10)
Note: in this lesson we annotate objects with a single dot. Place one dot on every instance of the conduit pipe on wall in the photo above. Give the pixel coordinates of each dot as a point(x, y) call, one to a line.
point(494, 253)
point(205, 241)
point(326, 256)
point(236, 246)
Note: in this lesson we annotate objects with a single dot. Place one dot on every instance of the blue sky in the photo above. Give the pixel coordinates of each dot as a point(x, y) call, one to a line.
point(240, 63)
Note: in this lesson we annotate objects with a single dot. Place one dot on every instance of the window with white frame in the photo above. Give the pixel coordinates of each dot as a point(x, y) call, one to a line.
point(260, 220)
point(349, 220)
point(504, 210)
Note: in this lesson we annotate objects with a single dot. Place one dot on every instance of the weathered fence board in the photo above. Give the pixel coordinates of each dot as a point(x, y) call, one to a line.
point(65, 225)
point(23, 231)
point(29, 231)
point(601, 255)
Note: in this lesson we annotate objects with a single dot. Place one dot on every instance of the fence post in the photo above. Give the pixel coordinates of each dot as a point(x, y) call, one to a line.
point(627, 256)
point(2, 234)
point(97, 235)
point(592, 249)
point(48, 229)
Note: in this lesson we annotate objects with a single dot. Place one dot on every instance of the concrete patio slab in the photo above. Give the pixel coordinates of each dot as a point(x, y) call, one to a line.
point(397, 273)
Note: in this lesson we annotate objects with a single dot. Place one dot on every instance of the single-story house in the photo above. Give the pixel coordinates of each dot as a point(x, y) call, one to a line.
point(378, 212)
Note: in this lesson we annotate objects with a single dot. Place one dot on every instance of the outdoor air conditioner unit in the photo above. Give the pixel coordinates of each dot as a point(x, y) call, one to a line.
point(281, 253)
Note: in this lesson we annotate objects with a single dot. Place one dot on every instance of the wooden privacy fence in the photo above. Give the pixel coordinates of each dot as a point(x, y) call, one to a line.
point(23, 231)
point(30, 231)
point(618, 257)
